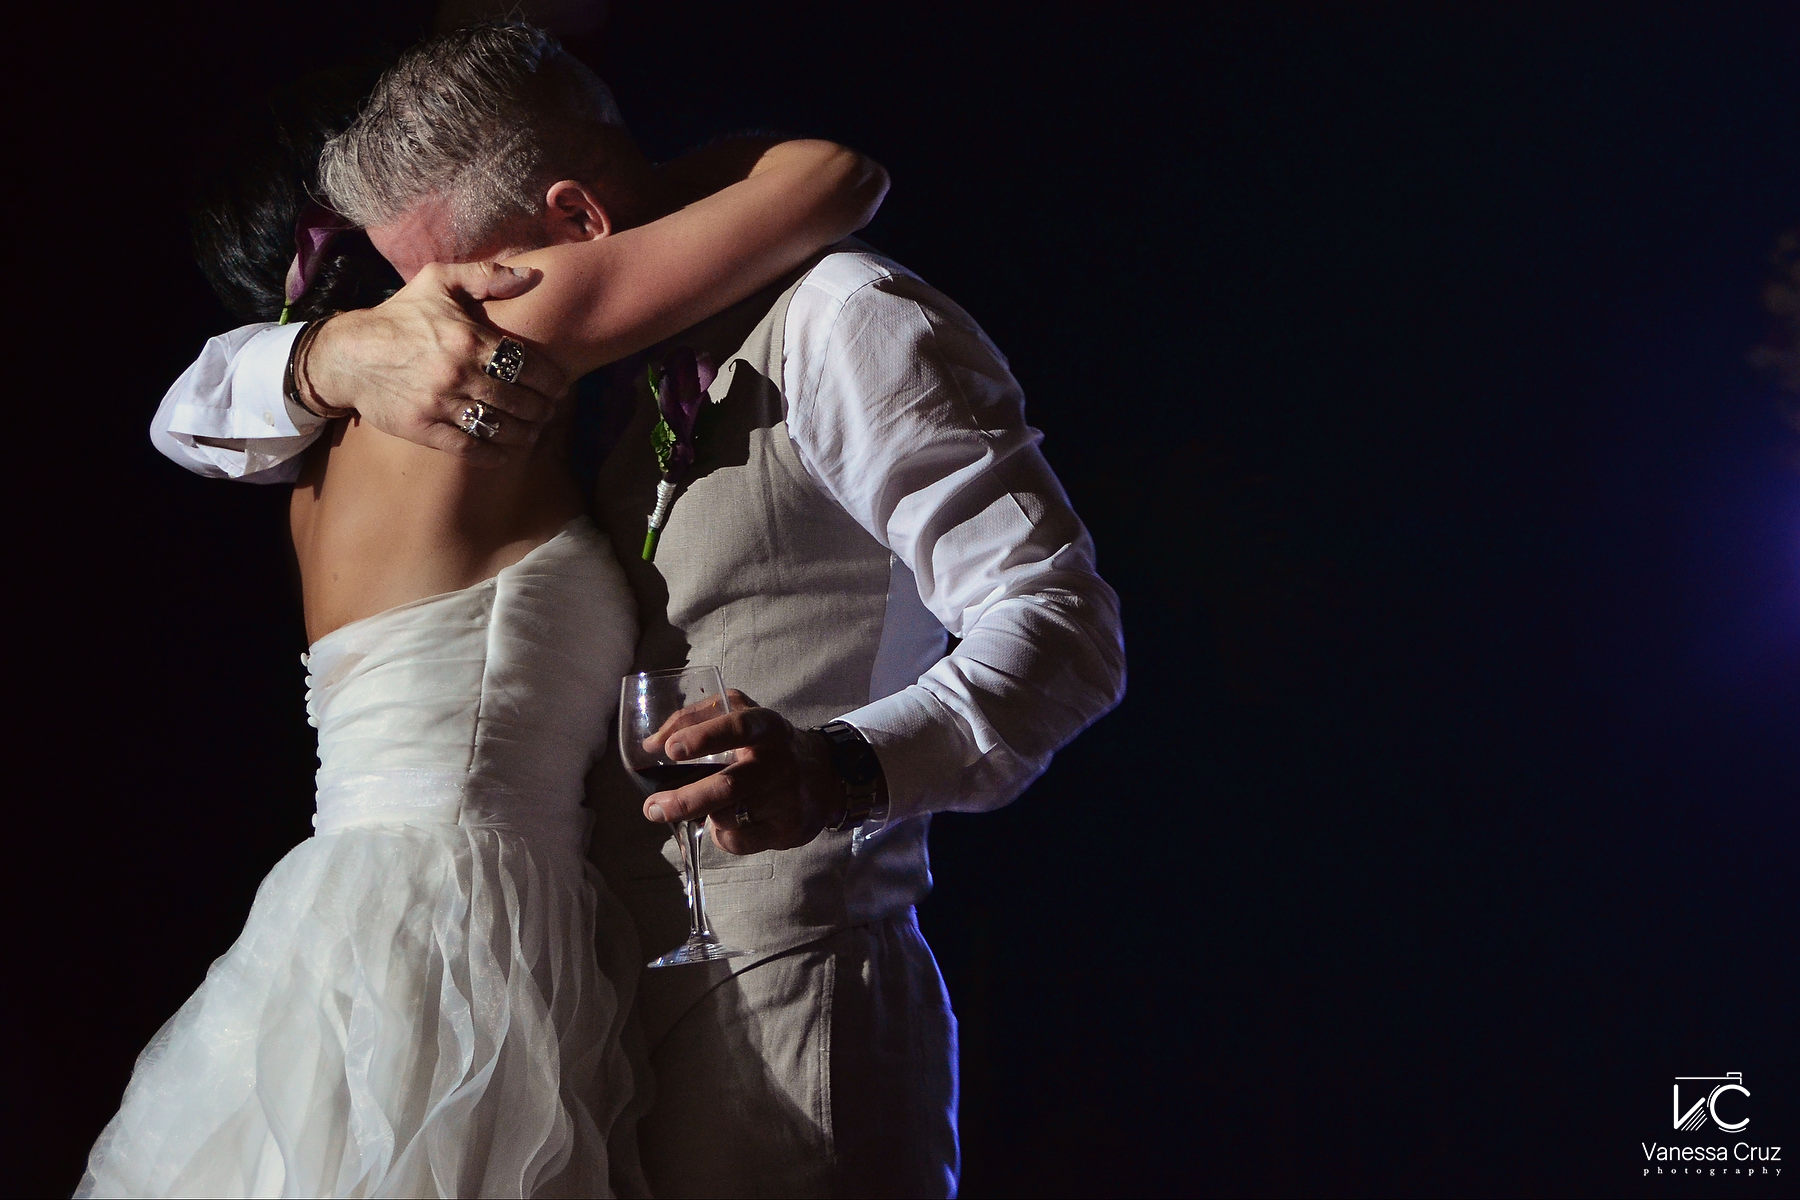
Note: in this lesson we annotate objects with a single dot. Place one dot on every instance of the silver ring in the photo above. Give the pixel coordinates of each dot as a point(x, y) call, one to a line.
point(743, 816)
point(507, 360)
point(478, 421)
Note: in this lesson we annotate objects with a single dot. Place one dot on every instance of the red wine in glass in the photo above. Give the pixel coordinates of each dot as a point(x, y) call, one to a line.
point(666, 777)
point(651, 705)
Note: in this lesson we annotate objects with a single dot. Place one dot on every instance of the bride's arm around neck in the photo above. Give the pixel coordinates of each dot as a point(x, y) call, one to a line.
point(739, 215)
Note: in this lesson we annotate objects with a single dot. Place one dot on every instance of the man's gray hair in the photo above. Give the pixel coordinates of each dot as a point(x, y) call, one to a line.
point(485, 117)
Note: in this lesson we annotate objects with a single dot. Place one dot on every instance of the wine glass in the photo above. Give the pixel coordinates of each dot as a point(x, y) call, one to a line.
point(650, 702)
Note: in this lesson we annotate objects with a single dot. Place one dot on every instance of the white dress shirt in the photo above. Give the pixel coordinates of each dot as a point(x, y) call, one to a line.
point(906, 414)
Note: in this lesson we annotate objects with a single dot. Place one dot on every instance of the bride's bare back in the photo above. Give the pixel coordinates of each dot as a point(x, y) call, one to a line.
point(379, 522)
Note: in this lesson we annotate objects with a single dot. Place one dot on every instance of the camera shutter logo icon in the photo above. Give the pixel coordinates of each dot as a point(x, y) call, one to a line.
point(1706, 1108)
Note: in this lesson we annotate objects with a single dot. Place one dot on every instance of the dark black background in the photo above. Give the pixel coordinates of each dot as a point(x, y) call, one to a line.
point(1396, 356)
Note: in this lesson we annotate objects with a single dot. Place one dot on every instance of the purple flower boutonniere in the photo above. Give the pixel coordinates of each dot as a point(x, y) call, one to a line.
point(679, 384)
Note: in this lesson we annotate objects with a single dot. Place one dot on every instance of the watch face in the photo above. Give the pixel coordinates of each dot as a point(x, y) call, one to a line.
point(851, 757)
point(862, 767)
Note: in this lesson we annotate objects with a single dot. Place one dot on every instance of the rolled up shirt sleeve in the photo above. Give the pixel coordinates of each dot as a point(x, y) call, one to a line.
point(905, 412)
point(226, 416)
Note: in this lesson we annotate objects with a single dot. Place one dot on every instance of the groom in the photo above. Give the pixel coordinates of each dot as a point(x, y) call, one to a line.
point(873, 548)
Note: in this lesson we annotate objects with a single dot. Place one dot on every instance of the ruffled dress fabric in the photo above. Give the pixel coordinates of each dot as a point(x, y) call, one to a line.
point(429, 997)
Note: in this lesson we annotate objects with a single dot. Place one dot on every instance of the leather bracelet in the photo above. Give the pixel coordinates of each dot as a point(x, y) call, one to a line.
point(290, 376)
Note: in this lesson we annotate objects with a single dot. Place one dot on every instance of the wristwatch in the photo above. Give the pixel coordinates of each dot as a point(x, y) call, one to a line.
point(853, 761)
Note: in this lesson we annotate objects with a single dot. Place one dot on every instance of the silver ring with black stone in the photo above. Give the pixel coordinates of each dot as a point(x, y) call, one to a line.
point(507, 360)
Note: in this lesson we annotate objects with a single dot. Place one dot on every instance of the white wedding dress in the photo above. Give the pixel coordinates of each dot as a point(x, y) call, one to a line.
point(418, 1004)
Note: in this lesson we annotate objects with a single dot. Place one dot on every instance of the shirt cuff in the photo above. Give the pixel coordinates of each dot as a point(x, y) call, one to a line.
point(258, 385)
point(918, 740)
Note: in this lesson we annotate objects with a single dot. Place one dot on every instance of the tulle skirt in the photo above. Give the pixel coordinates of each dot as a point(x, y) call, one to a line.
point(411, 1010)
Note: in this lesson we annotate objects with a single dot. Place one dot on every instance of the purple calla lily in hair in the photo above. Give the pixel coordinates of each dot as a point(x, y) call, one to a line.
point(679, 385)
point(314, 230)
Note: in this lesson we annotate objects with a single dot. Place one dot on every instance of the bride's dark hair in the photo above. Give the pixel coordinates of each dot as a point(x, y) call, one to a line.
point(262, 172)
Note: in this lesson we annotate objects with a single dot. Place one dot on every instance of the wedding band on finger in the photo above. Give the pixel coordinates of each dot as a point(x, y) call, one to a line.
point(479, 421)
point(507, 360)
point(743, 816)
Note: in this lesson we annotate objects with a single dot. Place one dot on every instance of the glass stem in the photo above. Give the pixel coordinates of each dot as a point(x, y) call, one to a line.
point(699, 929)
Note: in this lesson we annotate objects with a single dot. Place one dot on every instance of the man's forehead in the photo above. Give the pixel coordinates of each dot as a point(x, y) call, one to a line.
point(425, 234)
point(418, 236)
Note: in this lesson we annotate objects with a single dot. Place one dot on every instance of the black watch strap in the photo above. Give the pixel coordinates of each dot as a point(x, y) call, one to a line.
point(853, 761)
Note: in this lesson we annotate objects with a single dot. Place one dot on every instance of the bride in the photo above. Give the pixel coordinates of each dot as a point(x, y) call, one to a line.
point(425, 999)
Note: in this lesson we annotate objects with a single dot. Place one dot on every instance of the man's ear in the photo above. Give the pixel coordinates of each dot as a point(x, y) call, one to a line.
point(576, 214)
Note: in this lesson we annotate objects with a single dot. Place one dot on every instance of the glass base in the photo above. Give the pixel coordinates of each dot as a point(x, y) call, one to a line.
point(694, 950)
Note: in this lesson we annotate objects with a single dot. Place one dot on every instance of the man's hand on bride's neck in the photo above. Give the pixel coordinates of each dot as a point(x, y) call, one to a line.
point(410, 365)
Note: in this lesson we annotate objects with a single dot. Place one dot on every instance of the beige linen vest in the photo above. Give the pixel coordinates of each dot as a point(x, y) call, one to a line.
point(759, 571)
